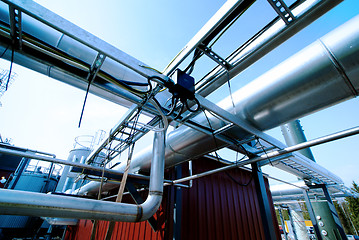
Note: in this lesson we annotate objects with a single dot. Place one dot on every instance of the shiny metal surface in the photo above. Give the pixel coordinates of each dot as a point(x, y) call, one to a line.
point(294, 134)
point(304, 83)
point(15, 202)
point(219, 17)
point(70, 41)
point(62, 221)
point(274, 34)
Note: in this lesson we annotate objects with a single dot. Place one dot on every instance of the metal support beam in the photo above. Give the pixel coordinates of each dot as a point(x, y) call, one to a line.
point(224, 16)
point(283, 223)
point(209, 106)
point(292, 224)
point(177, 217)
point(312, 215)
point(334, 212)
point(214, 56)
point(20, 169)
point(267, 218)
point(15, 27)
point(64, 26)
point(139, 200)
point(65, 162)
point(263, 42)
point(282, 9)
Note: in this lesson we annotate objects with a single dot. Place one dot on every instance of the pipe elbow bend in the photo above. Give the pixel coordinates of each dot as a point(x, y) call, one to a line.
point(150, 206)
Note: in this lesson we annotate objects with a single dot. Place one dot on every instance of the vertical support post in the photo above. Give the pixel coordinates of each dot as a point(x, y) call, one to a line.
point(178, 206)
point(283, 223)
point(266, 214)
point(334, 212)
point(18, 172)
point(312, 215)
point(292, 224)
point(49, 233)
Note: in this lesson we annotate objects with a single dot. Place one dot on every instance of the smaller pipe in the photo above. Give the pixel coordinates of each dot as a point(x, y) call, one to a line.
point(30, 150)
point(82, 166)
point(66, 162)
point(61, 221)
point(190, 170)
point(317, 141)
point(291, 184)
point(13, 202)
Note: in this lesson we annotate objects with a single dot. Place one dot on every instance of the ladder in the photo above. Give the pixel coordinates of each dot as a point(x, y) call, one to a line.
point(122, 135)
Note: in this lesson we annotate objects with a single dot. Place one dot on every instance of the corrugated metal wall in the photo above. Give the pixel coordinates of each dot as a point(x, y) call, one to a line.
point(124, 230)
point(218, 206)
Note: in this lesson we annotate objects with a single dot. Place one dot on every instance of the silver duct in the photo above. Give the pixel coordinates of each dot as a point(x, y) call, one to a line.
point(83, 47)
point(43, 31)
point(46, 205)
point(275, 33)
point(284, 192)
point(321, 75)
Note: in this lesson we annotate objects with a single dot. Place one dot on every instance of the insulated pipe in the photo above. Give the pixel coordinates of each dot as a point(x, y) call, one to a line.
point(57, 30)
point(275, 33)
point(321, 75)
point(43, 29)
point(310, 80)
point(14, 202)
point(293, 134)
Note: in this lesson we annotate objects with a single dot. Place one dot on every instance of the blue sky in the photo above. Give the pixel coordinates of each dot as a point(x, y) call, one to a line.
point(42, 113)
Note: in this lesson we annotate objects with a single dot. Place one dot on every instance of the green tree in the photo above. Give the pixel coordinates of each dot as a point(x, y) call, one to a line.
point(353, 206)
point(343, 218)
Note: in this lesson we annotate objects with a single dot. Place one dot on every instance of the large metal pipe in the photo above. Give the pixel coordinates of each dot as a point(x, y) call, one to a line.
point(61, 34)
point(53, 46)
point(321, 75)
point(272, 36)
point(36, 204)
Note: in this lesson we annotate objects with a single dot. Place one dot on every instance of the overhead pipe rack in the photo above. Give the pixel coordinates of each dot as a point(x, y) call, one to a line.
point(43, 41)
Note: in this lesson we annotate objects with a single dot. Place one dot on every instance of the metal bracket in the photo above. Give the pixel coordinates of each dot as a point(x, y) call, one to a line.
point(15, 27)
point(214, 56)
point(96, 65)
point(282, 9)
point(312, 215)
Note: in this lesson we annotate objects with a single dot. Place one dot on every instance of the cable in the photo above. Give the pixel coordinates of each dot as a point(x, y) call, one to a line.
point(265, 152)
point(180, 111)
point(152, 128)
point(197, 103)
point(217, 156)
point(11, 63)
point(174, 102)
point(154, 69)
point(84, 104)
point(230, 92)
point(4, 51)
point(196, 55)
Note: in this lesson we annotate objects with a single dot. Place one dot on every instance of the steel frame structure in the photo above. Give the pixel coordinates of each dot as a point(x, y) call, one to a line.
point(82, 73)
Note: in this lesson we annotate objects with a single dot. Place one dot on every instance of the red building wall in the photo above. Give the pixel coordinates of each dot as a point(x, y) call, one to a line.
point(219, 206)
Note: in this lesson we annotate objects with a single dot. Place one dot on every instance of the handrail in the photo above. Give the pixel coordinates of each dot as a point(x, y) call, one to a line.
point(16, 202)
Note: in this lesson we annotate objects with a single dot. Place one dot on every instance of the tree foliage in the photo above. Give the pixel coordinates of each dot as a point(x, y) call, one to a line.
point(353, 207)
point(343, 217)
